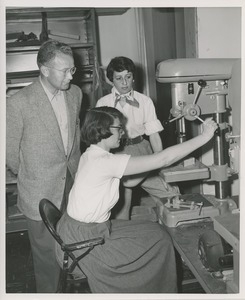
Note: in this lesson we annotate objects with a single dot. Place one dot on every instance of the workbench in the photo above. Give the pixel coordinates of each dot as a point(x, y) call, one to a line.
point(185, 239)
point(15, 220)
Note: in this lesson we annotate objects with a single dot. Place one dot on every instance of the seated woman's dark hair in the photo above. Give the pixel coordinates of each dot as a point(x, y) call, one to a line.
point(97, 122)
point(119, 64)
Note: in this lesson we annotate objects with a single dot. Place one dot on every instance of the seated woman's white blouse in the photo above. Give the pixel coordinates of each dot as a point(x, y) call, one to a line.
point(96, 187)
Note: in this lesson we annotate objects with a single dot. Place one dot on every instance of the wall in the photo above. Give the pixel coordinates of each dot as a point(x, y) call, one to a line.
point(146, 35)
point(164, 48)
point(218, 36)
point(219, 32)
point(117, 36)
point(167, 45)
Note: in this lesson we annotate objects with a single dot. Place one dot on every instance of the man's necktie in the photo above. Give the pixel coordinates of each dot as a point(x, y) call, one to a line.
point(128, 98)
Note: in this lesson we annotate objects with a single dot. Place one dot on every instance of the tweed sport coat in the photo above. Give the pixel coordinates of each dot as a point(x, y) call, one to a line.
point(34, 147)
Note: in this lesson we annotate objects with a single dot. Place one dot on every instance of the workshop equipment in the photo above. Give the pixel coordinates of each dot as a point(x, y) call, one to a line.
point(185, 208)
point(202, 88)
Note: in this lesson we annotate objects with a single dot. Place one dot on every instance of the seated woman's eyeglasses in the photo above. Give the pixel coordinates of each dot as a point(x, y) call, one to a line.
point(119, 127)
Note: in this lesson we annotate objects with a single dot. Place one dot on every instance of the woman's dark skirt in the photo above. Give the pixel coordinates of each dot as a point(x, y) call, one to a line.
point(136, 257)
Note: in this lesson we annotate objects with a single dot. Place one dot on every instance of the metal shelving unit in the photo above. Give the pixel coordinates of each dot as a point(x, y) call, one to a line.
point(73, 26)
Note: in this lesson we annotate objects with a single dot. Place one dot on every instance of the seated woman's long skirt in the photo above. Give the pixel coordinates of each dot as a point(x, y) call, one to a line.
point(136, 257)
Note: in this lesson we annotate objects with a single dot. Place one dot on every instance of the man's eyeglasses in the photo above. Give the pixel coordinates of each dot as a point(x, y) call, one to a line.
point(65, 71)
point(119, 127)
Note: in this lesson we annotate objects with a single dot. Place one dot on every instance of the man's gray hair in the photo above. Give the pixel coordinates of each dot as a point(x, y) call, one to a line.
point(50, 49)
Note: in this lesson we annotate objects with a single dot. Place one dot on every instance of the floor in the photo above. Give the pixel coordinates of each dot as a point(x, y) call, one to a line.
point(19, 266)
point(20, 274)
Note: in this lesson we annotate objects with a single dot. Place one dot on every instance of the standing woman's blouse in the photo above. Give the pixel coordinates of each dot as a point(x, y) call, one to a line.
point(141, 120)
point(96, 188)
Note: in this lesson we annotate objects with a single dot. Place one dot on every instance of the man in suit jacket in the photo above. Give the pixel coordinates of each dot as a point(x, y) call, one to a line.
point(43, 149)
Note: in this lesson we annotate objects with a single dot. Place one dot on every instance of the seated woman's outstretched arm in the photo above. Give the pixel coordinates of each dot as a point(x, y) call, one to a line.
point(140, 164)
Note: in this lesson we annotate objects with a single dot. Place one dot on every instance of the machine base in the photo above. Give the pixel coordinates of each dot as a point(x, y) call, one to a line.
point(193, 207)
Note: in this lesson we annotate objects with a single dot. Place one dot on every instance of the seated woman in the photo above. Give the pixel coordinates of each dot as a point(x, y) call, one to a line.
point(137, 256)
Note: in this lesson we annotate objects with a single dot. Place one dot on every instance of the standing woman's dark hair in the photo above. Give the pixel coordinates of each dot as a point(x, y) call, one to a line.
point(97, 122)
point(119, 64)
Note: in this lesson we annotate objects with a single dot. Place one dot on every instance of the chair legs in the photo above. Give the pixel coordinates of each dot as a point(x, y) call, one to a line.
point(68, 281)
point(62, 285)
point(70, 284)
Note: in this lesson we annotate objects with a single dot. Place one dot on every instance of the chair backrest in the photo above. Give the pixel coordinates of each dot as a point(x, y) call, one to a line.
point(50, 215)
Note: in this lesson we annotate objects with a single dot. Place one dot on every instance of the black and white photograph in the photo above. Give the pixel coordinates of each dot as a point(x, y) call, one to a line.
point(121, 149)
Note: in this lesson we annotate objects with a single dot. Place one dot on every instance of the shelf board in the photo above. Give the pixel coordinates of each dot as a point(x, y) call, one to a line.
point(35, 73)
point(21, 75)
point(82, 45)
point(108, 11)
point(35, 13)
point(20, 49)
point(20, 84)
point(21, 79)
point(29, 47)
point(16, 225)
point(17, 13)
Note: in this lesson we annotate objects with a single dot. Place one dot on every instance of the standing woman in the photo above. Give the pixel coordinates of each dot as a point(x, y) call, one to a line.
point(137, 256)
point(142, 135)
